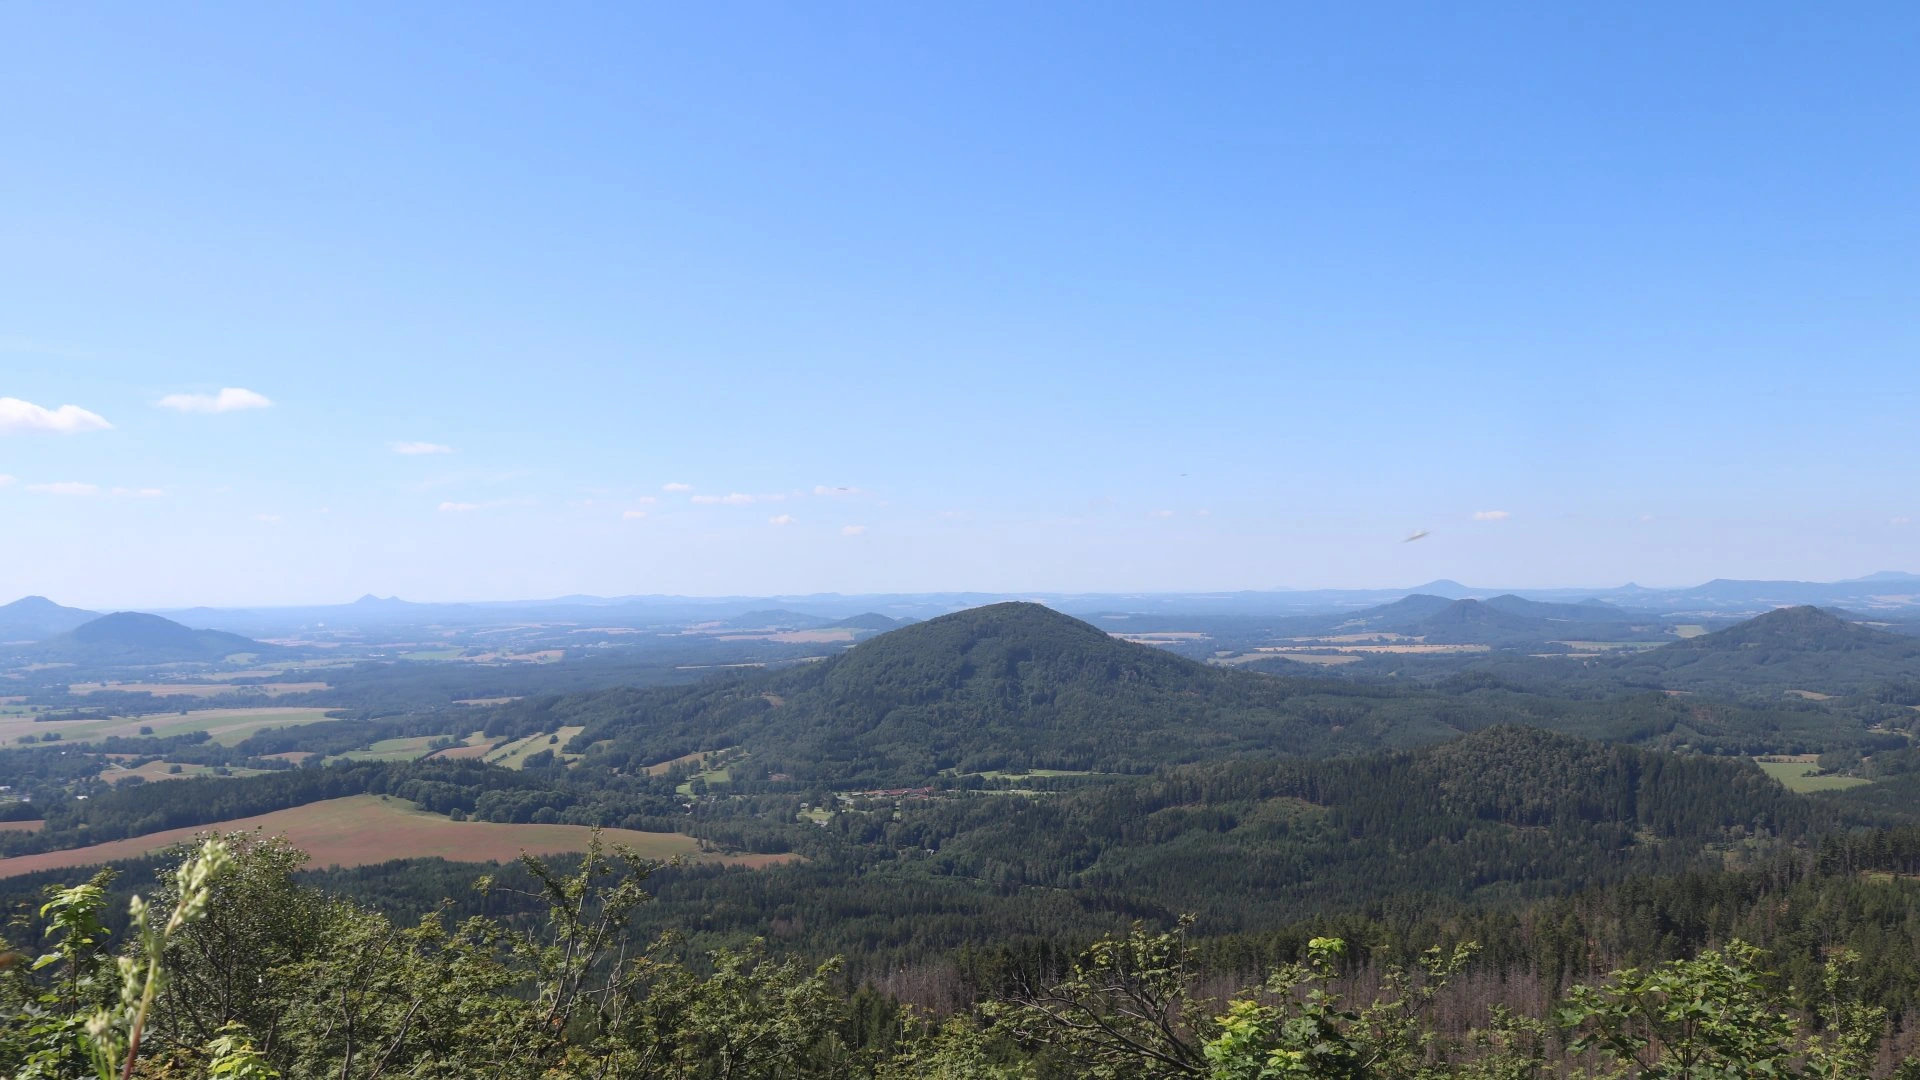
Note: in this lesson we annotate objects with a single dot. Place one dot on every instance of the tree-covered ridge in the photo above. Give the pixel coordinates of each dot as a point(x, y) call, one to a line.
point(1799, 647)
point(132, 637)
point(1018, 686)
point(1506, 812)
point(1008, 685)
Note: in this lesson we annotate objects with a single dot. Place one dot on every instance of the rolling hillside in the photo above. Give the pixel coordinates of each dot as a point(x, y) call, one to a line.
point(1002, 686)
point(133, 638)
point(1505, 621)
point(1804, 648)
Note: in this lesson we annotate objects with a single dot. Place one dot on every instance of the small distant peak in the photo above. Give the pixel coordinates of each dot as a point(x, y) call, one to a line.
point(1886, 576)
point(31, 603)
point(371, 600)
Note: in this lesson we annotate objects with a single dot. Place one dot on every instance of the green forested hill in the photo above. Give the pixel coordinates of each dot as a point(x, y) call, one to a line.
point(1004, 686)
point(1792, 648)
point(1018, 686)
point(132, 638)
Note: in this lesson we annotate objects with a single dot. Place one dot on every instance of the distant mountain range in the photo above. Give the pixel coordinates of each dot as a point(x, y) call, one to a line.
point(1499, 620)
point(1889, 593)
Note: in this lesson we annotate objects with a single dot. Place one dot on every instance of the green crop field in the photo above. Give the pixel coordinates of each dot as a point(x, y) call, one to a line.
point(1799, 776)
point(405, 749)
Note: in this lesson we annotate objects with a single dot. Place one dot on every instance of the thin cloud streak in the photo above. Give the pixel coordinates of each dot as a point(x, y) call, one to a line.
point(229, 399)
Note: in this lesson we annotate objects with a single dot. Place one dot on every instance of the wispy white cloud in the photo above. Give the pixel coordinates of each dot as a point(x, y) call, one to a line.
point(1646, 517)
point(138, 493)
point(1901, 521)
point(646, 500)
point(419, 448)
point(952, 514)
point(65, 487)
point(271, 519)
point(852, 530)
point(676, 486)
point(229, 399)
point(1491, 515)
point(823, 489)
point(633, 515)
point(737, 499)
point(780, 519)
point(8, 481)
point(1160, 513)
point(24, 417)
point(458, 507)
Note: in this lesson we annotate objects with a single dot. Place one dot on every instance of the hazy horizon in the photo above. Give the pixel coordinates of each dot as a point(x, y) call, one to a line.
point(1475, 586)
point(459, 304)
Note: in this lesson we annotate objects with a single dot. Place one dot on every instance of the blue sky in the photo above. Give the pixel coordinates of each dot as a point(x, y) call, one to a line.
point(1069, 296)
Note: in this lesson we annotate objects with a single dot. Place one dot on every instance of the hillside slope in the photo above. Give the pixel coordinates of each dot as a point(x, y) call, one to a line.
point(135, 638)
point(1799, 648)
point(1004, 686)
point(35, 618)
point(1507, 812)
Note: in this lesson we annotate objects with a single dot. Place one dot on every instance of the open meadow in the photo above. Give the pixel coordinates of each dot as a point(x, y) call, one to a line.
point(1804, 776)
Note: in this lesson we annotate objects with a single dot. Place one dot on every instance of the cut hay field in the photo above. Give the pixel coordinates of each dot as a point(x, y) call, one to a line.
point(155, 771)
point(698, 757)
point(402, 749)
point(1322, 658)
point(197, 690)
point(363, 830)
point(514, 754)
point(228, 726)
point(21, 826)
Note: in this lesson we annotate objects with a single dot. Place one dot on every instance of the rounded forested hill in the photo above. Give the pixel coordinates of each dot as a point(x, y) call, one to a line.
point(1006, 686)
point(1797, 647)
point(133, 637)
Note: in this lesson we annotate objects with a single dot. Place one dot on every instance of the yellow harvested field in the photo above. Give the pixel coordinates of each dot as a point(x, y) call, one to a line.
point(1365, 650)
point(160, 770)
point(698, 757)
point(1359, 638)
point(793, 637)
point(198, 690)
point(1324, 658)
point(21, 826)
point(363, 830)
point(1810, 695)
point(228, 726)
